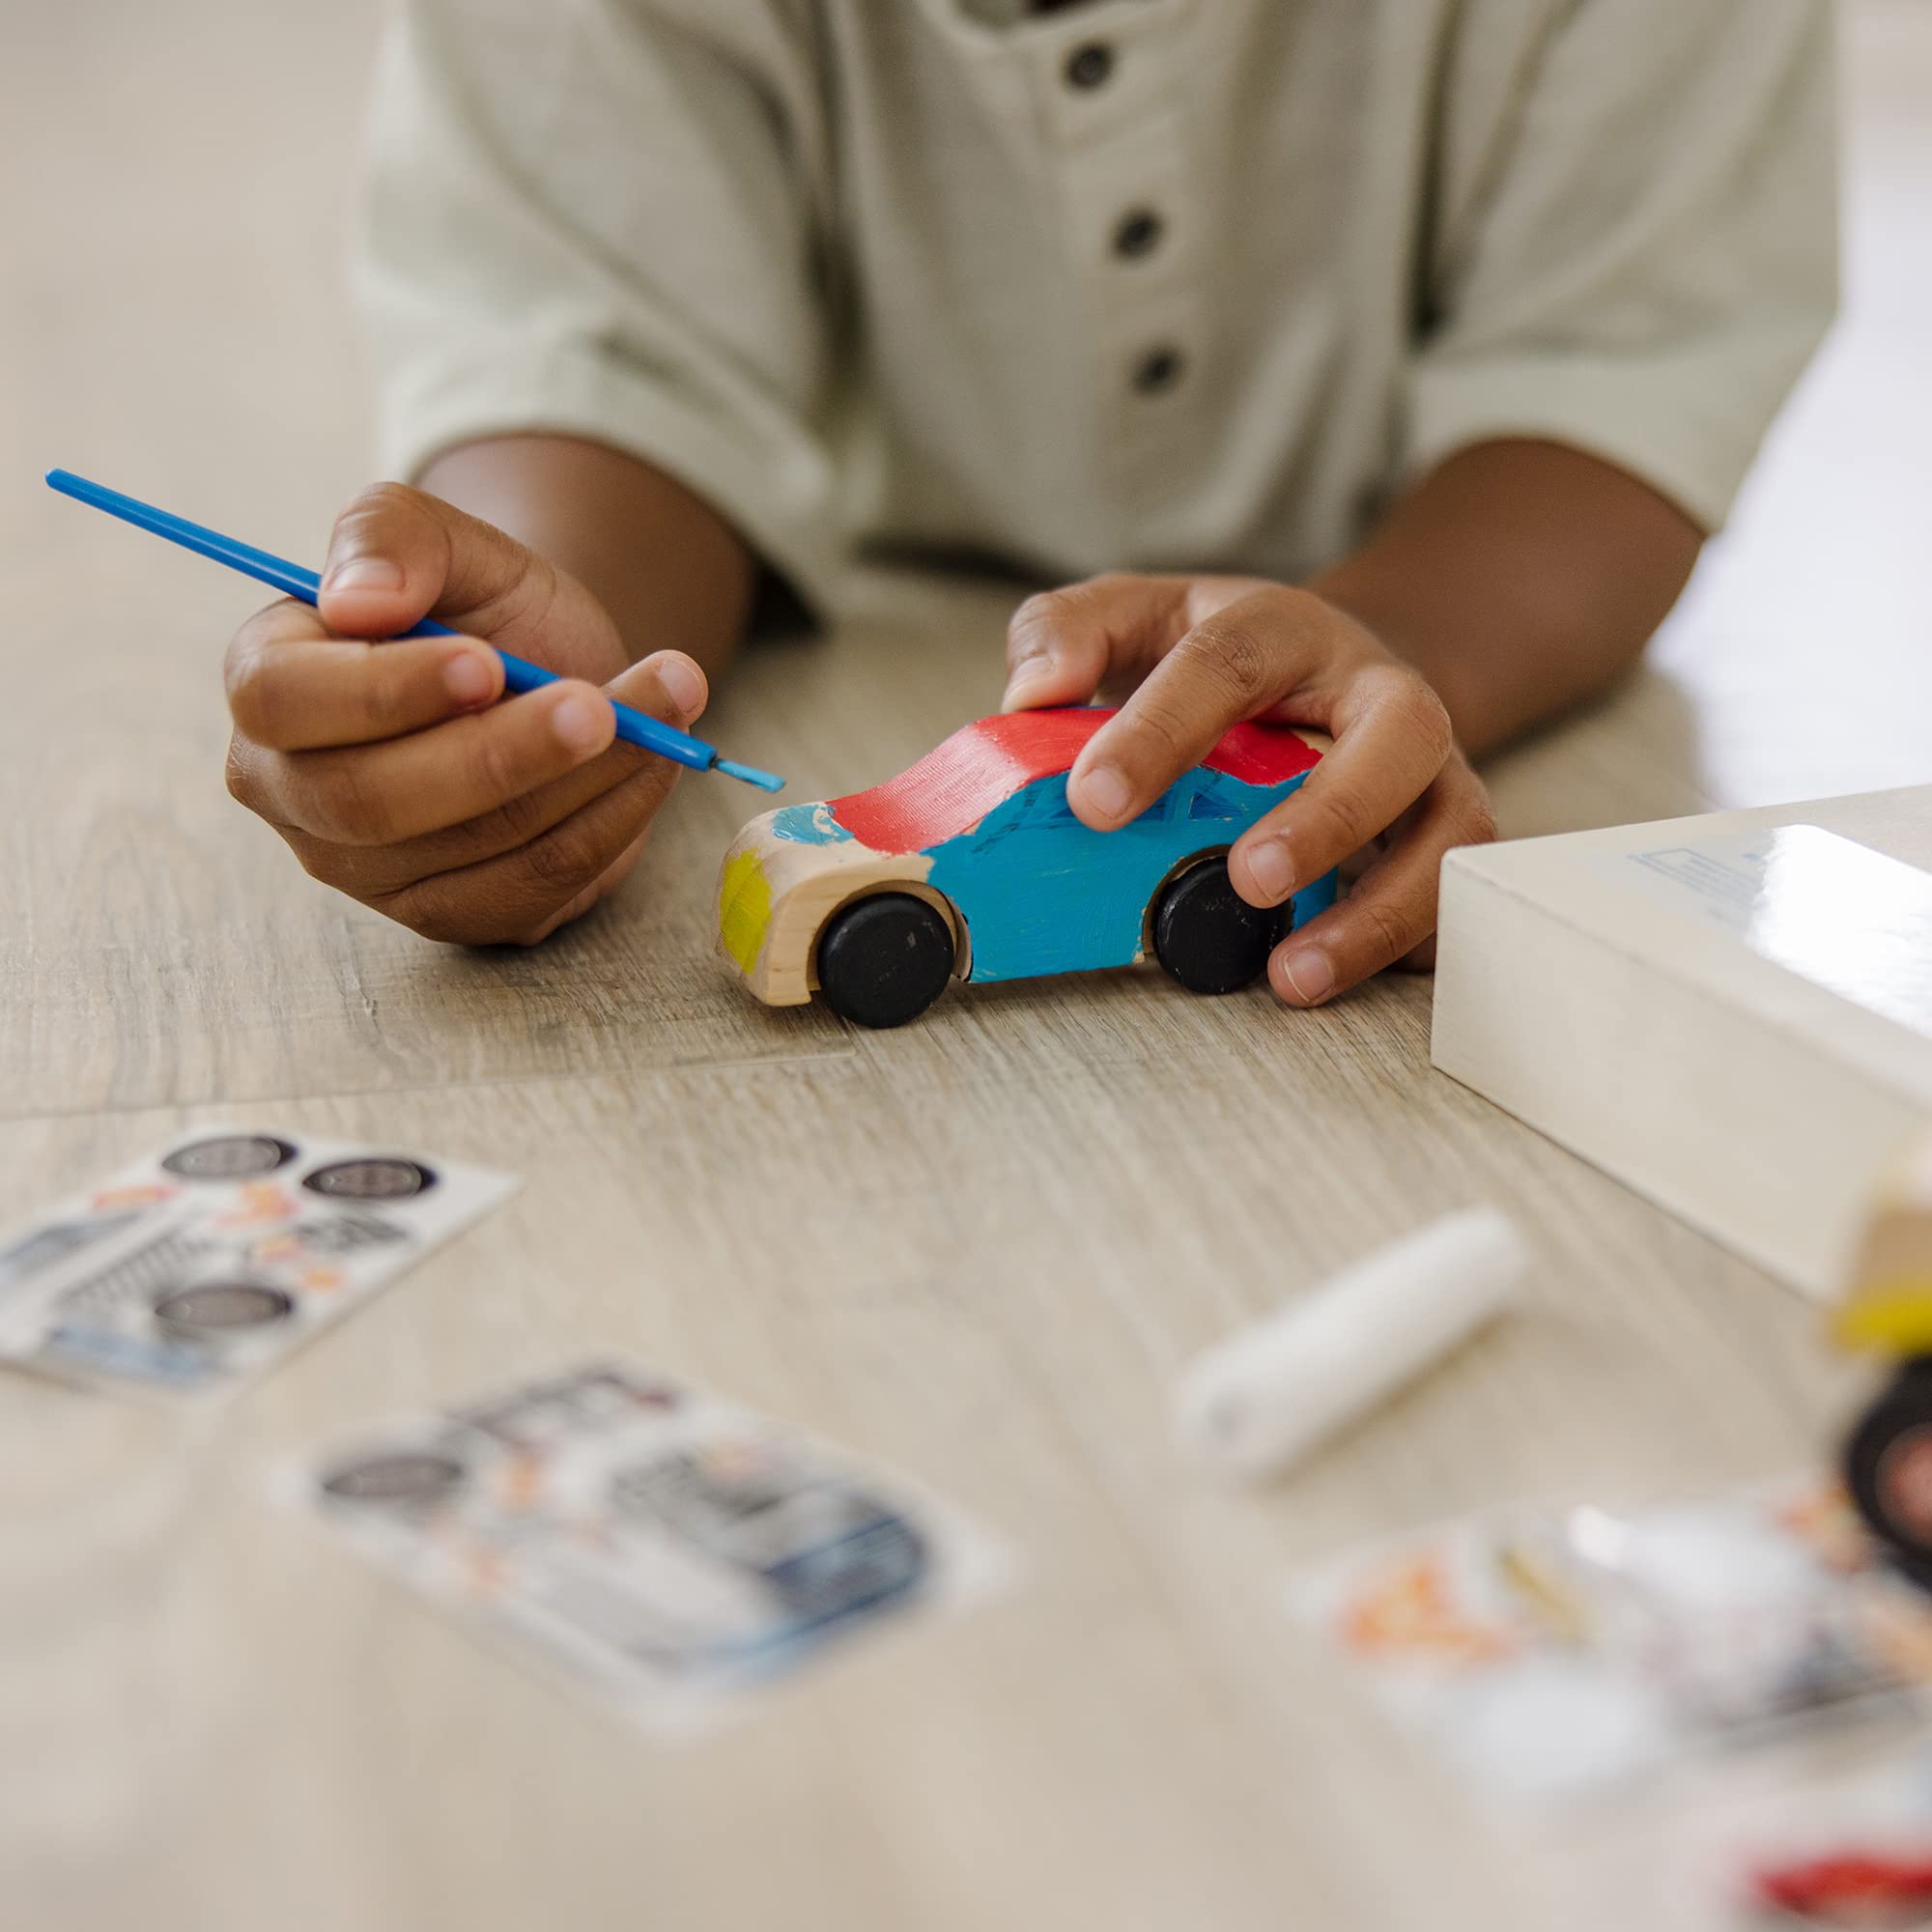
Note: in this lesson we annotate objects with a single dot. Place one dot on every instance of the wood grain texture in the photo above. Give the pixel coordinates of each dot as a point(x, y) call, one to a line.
point(978, 1249)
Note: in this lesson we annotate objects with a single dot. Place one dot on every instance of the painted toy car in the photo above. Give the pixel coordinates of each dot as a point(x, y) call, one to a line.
point(1870, 1889)
point(971, 864)
point(1888, 1307)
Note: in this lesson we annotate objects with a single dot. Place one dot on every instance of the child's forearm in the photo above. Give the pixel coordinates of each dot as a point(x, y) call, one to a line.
point(669, 570)
point(1519, 577)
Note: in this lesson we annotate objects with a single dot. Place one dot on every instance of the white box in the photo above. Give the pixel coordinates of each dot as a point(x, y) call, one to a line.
point(1731, 1014)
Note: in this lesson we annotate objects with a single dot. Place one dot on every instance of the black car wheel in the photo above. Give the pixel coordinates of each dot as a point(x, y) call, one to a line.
point(222, 1308)
point(405, 1479)
point(1889, 1465)
point(1209, 936)
point(230, 1157)
point(372, 1178)
point(885, 959)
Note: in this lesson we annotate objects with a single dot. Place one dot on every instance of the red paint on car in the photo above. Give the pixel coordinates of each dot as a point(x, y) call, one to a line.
point(982, 766)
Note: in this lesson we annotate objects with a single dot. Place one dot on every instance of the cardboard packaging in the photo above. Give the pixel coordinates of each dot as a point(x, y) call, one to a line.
point(1732, 1014)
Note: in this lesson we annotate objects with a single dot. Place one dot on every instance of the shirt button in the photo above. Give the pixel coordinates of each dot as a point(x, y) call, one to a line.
point(1090, 67)
point(1158, 370)
point(1137, 234)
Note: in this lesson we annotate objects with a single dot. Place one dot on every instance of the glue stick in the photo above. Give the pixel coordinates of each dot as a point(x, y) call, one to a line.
point(1253, 1403)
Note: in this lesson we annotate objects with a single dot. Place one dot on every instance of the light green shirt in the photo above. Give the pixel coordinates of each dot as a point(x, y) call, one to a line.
point(1187, 284)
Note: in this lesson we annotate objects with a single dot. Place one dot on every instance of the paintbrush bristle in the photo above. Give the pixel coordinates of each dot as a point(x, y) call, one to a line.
point(751, 775)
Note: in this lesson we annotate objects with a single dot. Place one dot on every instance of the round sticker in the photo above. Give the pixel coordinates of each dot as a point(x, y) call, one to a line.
point(222, 1307)
point(229, 1157)
point(1904, 1483)
point(379, 1178)
point(413, 1476)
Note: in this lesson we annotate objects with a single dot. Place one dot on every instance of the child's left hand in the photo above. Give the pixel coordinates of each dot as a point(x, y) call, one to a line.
point(1200, 654)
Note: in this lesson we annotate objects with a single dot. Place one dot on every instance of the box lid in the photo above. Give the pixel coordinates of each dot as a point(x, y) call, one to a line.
point(1814, 916)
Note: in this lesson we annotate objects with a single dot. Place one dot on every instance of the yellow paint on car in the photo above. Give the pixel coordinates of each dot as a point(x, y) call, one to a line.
point(1895, 1315)
point(744, 908)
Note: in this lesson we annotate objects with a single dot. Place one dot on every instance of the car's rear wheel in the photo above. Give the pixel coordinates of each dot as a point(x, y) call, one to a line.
point(1209, 936)
point(1888, 1467)
point(883, 960)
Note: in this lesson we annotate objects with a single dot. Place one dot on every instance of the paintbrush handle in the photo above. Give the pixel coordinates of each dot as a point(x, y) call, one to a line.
point(293, 580)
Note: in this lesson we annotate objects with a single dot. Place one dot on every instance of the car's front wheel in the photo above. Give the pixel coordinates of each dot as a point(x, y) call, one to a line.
point(883, 960)
point(1209, 936)
point(1888, 1467)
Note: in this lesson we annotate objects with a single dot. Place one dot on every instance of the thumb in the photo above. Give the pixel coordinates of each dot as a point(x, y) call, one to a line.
point(1064, 645)
point(397, 554)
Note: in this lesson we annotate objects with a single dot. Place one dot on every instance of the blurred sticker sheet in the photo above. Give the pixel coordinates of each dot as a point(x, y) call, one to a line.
point(203, 1266)
point(667, 1548)
point(1554, 1651)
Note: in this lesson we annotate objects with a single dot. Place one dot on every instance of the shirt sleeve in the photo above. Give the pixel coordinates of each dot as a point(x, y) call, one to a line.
point(1635, 242)
point(604, 219)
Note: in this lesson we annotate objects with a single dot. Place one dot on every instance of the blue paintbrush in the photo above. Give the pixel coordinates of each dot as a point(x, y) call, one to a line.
point(293, 580)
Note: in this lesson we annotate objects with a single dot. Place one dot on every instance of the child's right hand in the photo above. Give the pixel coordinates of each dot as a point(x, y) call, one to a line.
point(391, 769)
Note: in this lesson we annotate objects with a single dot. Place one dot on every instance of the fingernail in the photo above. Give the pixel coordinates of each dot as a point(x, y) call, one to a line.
point(1272, 869)
point(1027, 677)
point(684, 685)
point(469, 677)
point(584, 723)
point(365, 573)
point(1106, 791)
point(1309, 975)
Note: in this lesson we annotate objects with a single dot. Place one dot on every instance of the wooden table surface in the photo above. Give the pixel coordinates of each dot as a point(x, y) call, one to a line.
point(976, 1250)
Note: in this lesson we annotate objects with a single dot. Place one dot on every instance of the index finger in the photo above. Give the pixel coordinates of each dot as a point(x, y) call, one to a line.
point(1392, 739)
point(1062, 645)
point(1230, 665)
point(293, 686)
point(396, 555)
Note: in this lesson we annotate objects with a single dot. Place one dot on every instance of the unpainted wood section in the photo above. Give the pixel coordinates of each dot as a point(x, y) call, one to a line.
point(806, 885)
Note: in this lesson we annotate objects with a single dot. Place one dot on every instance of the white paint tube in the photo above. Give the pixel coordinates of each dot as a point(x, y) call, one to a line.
point(1254, 1404)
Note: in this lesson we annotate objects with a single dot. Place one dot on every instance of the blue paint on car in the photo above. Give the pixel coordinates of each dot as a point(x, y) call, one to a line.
point(1040, 892)
point(807, 825)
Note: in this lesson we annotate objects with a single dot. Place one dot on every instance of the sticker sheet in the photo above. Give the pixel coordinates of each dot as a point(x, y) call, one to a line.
point(666, 1548)
point(1556, 1652)
point(203, 1266)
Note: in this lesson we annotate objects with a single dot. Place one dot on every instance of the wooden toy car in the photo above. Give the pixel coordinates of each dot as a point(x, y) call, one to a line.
point(971, 864)
point(1888, 1307)
point(1876, 1888)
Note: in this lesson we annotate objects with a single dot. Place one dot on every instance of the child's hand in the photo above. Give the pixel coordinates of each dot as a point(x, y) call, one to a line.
point(389, 768)
point(1202, 653)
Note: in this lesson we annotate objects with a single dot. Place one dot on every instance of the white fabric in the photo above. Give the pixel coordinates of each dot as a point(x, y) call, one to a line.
point(847, 267)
